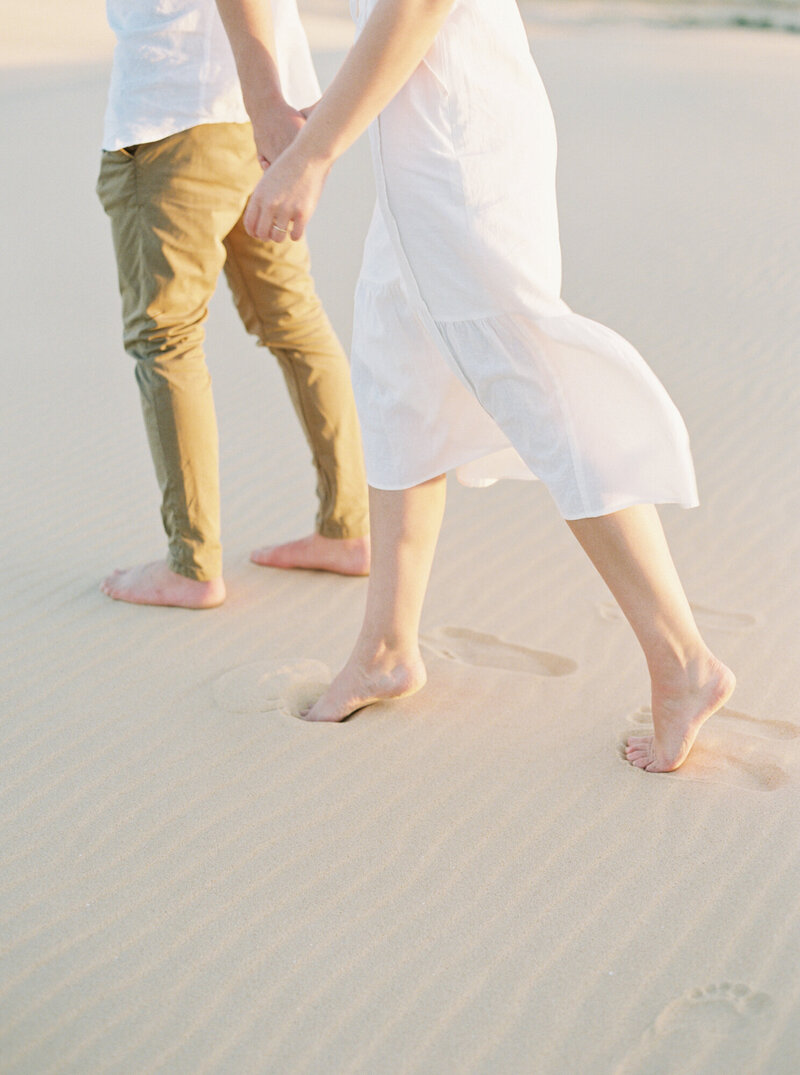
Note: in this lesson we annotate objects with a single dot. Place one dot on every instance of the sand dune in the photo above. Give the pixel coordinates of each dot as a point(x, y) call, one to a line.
point(470, 880)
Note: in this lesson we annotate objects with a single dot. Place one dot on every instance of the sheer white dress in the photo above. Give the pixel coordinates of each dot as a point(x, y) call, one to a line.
point(464, 355)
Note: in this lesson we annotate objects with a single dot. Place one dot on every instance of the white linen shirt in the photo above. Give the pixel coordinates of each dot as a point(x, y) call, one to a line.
point(174, 69)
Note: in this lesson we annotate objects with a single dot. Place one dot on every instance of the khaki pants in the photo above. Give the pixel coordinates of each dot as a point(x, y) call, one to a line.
point(176, 210)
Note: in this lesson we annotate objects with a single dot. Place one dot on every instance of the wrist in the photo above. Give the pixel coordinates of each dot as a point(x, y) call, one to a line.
point(316, 149)
point(263, 104)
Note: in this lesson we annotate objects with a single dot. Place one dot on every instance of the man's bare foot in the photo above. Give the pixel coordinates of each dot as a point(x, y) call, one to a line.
point(681, 705)
point(157, 584)
point(344, 556)
point(361, 683)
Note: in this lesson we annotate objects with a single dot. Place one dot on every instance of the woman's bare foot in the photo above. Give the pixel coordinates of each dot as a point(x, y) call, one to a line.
point(157, 584)
point(682, 703)
point(343, 556)
point(360, 683)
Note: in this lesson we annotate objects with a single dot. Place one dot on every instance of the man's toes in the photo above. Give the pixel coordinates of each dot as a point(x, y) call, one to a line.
point(262, 556)
point(111, 580)
point(117, 586)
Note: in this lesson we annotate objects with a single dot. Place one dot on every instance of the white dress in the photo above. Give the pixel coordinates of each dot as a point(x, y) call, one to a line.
point(464, 355)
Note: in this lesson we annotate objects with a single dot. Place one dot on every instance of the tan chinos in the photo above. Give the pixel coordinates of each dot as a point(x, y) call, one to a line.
point(176, 209)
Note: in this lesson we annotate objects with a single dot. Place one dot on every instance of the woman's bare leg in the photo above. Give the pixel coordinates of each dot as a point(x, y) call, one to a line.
point(630, 551)
point(386, 662)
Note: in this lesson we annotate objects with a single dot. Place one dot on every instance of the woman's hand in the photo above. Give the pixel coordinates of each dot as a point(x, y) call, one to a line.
point(285, 198)
point(389, 49)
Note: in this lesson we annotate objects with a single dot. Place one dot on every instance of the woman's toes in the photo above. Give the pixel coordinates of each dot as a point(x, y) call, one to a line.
point(639, 753)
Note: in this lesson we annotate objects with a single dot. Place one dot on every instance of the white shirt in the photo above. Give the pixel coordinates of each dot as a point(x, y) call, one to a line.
point(173, 68)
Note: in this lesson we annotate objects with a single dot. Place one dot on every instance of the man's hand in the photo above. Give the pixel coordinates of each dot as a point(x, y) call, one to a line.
point(274, 129)
point(285, 198)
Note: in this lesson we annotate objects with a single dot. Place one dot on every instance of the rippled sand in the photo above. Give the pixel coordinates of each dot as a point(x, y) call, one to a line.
point(472, 880)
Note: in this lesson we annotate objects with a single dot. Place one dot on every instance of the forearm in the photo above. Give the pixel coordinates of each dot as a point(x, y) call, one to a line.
point(249, 26)
point(396, 37)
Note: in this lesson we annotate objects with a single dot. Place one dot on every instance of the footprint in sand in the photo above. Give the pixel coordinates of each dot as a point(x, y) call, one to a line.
point(488, 651)
point(285, 687)
point(762, 728)
point(729, 750)
point(722, 1024)
point(707, 618)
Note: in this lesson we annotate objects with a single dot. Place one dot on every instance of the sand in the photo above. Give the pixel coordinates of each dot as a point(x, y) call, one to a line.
point(471, 880)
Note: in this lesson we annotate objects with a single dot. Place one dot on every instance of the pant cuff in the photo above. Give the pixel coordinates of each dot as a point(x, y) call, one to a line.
point(333, 528)
point(204, 573)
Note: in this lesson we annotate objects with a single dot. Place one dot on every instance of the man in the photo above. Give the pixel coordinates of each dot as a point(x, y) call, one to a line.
point(179, 163)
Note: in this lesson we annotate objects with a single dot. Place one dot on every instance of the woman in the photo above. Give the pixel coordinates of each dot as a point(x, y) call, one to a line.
point(464, 355)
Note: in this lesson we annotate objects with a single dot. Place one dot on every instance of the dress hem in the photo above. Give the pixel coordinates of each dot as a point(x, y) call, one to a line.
point(592, 513)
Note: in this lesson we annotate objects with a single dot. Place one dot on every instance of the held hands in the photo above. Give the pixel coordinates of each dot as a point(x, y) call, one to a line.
point(285, 197)
point(275, 130)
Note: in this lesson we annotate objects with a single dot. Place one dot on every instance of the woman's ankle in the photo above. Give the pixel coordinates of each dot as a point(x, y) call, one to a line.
point(386, 652)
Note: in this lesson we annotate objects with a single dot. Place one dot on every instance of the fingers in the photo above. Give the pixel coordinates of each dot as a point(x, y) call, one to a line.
point(298, 228)
point(261, 225)
point(253, 220)
point(278, 232)
point(281, 204)
point(263, 222)
point(287, 229)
